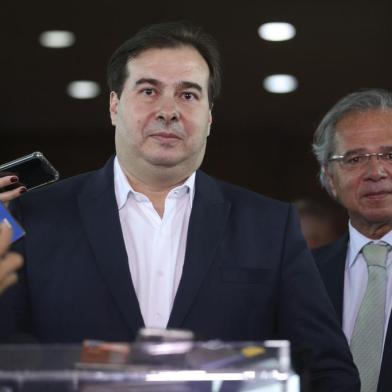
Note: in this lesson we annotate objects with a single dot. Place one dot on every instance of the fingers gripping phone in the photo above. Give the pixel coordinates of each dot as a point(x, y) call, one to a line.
point(33, 171)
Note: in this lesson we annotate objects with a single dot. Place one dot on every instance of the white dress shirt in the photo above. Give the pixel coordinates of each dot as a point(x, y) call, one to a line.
point(356, 277)
point(155, 246)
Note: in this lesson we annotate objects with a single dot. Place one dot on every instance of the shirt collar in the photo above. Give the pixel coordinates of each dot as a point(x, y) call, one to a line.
point(188, 187)
point(358, 241)
point(123, 189)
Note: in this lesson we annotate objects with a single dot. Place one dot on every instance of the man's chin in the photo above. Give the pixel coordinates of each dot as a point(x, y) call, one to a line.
point(165, 161)
point(185, 162)
point(379, 215)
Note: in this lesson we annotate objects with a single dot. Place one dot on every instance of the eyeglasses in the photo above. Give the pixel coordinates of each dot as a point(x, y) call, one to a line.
point(354, 161)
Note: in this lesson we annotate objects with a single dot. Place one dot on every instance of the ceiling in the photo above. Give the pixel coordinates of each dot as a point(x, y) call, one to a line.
point(259, 140)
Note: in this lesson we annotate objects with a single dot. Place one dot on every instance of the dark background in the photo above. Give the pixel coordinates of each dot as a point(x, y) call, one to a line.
point(259, 140)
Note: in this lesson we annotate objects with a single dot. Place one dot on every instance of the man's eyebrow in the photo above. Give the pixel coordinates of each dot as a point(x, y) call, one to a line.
point(186, 84)
point(386, 148)
point(365, 150)
point(153, 82)
point(180, 85)
point(355, 151)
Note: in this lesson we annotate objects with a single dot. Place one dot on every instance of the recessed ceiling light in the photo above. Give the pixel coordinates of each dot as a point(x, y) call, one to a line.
point(83, 89)
point(57, 39)
point(280, 83)
point(276, 31)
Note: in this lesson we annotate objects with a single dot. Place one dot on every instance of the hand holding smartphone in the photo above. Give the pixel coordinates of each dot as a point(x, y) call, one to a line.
point(32, 171)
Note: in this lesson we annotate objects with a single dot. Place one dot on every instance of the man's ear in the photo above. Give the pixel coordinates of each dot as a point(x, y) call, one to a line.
point(329, 175)
point(209, 123)
point(113, 106)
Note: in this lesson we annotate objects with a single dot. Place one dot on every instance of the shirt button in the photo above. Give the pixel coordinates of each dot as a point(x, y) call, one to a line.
point(160, 273)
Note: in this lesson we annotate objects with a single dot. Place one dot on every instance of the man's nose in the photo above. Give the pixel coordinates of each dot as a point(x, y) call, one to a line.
point(375, 168)
point(168, 110)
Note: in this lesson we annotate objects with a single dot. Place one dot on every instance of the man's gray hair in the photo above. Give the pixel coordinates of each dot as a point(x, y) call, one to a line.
point(324, 137)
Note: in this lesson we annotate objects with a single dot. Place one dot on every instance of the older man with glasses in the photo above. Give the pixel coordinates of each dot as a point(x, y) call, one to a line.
point(353, 145)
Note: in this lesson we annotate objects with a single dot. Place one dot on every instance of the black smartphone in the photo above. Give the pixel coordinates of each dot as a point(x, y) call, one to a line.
point(33, 171)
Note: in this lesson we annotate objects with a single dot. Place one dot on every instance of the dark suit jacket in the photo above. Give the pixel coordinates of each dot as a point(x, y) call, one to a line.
point(247, 273)
point(331, 260)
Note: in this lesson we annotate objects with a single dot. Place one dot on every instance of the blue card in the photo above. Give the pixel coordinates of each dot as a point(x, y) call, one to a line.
point(17, 230)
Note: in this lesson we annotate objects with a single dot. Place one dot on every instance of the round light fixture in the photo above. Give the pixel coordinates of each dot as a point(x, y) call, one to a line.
point(83, 89)
point(57, 39)
point(276, 31)
point(280, 83)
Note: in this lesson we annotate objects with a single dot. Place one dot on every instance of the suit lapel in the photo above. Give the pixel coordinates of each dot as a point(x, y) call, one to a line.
point(99, 213)
point(206, 226)
point(331, 262)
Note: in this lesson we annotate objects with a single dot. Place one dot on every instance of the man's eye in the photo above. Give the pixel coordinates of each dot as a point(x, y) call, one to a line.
point(189, 96)
point(148, 91)
point(354, 160)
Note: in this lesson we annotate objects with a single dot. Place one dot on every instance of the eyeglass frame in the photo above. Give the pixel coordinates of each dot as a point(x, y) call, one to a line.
point(379, 155)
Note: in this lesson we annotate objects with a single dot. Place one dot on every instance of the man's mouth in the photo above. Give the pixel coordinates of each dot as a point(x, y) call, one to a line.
point(165, 136)
point(168, 135)
point(377, 195)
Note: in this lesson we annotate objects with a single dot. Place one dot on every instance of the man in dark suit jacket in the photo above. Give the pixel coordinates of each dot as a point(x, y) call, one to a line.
point(353, 144)
point(245, 273)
